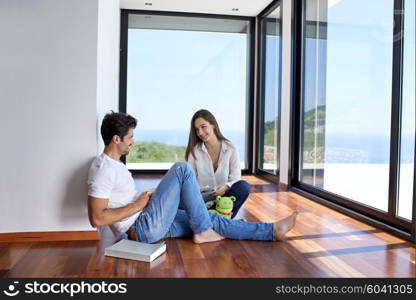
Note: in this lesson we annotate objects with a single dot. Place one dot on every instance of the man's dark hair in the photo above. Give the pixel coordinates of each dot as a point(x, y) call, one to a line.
point(116, 123)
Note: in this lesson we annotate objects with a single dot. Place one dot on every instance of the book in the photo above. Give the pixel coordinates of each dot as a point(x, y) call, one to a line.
point(206, 191)
point(129, 249)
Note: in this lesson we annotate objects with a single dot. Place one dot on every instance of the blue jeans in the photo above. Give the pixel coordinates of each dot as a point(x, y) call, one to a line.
point(162, 217)
point(240, 191)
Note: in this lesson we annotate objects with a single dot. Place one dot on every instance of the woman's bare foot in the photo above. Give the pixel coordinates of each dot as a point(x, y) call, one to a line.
point(207, 236)
point(280, 228)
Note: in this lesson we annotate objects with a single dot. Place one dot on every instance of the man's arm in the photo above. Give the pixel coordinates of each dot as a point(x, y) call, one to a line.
point(100, 215)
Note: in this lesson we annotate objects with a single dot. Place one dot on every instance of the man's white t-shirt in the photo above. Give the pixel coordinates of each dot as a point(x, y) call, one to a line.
point(110, 179)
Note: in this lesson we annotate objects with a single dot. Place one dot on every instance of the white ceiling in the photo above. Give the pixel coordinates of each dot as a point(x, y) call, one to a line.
point(223, 7)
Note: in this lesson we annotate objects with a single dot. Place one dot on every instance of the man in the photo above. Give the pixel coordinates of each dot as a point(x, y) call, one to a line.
point(175, 209)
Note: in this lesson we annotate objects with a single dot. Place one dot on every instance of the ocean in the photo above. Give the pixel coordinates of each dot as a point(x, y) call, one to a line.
point(180, 138)
point(338, 148)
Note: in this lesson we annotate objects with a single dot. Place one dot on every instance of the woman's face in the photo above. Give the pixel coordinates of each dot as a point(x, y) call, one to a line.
point(204, 130)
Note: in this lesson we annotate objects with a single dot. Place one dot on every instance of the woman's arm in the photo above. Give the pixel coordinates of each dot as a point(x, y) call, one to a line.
point(235, 168)
point(234, 174)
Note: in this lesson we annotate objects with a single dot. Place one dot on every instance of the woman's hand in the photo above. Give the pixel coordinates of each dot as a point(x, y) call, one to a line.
point(221, 190)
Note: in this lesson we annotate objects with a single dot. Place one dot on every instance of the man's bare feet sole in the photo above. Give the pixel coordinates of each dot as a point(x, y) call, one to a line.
point(280, 228)
point(207, 236)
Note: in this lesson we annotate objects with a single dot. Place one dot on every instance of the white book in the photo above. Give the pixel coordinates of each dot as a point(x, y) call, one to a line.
point(207, 190)
point(135, 250)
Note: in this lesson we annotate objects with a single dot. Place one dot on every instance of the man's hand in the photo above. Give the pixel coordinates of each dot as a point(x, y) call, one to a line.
point(142, 200)
point(100, 215)
point(221, 190)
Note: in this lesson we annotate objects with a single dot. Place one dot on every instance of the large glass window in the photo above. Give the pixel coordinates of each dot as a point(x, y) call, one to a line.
point(408, 113)
point(271, 43)
point(175, 66)
point(347, 82)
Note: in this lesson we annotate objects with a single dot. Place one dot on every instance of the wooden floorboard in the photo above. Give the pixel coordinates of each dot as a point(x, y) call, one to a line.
point(324, 243)
point(48, 236)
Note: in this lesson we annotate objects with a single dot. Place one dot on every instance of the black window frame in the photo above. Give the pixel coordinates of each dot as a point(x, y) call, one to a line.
point(389, 221)
point(413, 237)
point(249, 130)
point(386, 222)
point(261, 59)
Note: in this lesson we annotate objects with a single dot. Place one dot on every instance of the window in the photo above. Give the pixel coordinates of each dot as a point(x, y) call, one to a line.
point(408, 114)
point(347, 99)
point(176, 65)
point(270, 92)
point(354, 125)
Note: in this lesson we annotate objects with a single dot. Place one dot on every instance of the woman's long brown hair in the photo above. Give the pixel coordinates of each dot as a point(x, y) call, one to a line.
point(193, 139)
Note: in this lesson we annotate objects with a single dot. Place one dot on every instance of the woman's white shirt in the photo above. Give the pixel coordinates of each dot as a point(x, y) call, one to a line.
point(228, 171)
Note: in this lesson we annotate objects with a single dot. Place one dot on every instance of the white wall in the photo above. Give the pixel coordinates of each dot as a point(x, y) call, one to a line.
point(48, 96)
point(108, 57)
point(285, 93)
point(59, 64)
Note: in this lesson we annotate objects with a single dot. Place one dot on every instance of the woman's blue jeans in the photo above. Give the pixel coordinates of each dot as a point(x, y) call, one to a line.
point(162, 217)
point(240, 191)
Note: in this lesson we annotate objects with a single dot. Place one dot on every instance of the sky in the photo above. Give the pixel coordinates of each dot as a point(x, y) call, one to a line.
point(356, 60)
point(171, 74)
point(272, 77)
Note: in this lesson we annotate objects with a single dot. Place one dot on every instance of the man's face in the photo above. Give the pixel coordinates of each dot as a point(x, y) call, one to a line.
point(126, 143)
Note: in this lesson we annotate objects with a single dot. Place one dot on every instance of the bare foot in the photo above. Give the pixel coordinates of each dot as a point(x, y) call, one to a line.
point(207, 236)
point(280, 228)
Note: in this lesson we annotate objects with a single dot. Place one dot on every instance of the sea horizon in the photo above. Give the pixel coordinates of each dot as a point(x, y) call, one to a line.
point(339, 147)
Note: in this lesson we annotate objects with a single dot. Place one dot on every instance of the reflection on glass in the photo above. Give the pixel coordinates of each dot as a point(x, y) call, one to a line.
point(408, 114)
point(176, 66)
point(271, 91)
point(347, 98)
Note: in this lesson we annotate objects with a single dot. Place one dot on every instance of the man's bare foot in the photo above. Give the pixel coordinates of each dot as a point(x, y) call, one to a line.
point(280, 228)
point(207, 236)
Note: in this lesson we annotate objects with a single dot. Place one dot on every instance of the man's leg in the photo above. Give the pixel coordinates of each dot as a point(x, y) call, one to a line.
point(178, 187)
point(240, 190)
point(235, 229)
point(241, 230)
point(180, 226)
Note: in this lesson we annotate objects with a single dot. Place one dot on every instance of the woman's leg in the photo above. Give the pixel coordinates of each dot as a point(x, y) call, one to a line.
point(178, 187)
point(240, 190)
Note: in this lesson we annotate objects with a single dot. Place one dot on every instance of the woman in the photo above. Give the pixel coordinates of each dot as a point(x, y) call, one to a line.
point(215, 160)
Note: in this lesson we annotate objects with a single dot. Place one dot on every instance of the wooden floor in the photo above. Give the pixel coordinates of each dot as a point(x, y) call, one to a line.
point(324, 243)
